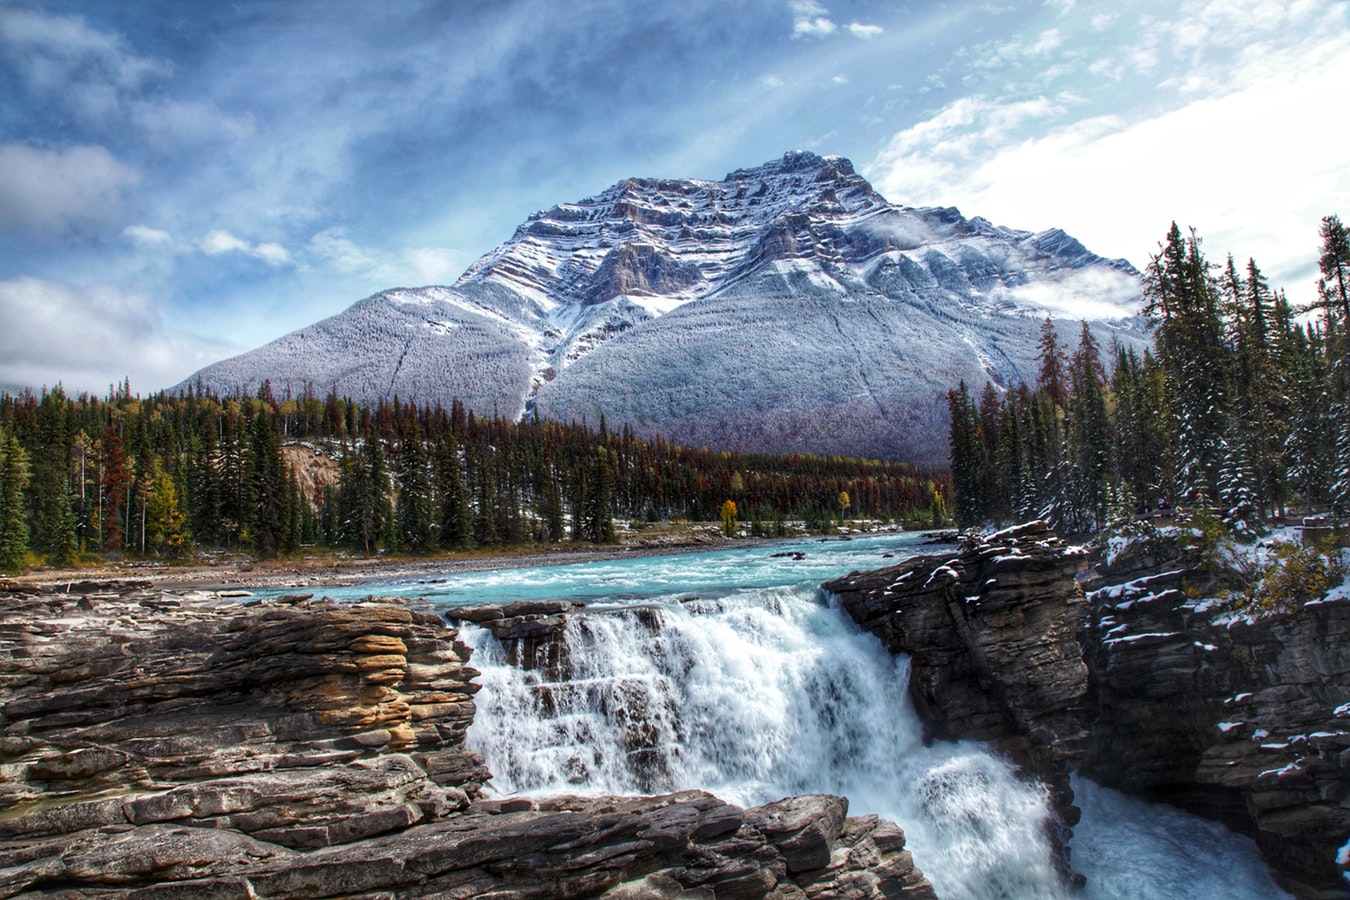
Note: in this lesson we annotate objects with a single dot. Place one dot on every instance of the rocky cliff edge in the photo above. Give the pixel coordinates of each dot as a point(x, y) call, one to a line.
point(163, 746)
point(1142, 684)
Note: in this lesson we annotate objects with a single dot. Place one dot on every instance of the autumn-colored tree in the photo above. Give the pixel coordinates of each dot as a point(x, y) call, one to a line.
point(729, 518)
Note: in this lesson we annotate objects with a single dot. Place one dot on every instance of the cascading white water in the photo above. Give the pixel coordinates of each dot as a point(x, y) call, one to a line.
point(757, 696)
point(770, 692)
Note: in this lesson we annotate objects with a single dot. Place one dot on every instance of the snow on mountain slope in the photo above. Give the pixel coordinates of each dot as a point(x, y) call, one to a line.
point(423, 345)
point(788, 306)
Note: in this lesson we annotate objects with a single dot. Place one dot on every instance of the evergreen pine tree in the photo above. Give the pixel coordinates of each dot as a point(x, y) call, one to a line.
point(1087, 474)
point(13, 518)
point(1334, 262)
point(1052, 364)
point(969, 465)
point(415, 508)
point(1309, 445)
point(268, 484)
point(49, 485)
point(456, 531)
point(600, 500)
point(551, 505)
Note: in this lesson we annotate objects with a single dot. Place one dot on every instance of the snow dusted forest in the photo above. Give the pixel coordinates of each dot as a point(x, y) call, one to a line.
point(1242, 406)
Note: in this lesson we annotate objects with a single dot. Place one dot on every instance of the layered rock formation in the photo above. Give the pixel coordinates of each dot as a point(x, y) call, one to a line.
point(993, 635)
point(160, 746)
point(1140, 685)
point(1244, 719)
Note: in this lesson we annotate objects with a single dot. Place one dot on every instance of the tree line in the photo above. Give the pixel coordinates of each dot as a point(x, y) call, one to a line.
point(169, 475)
point(1242, 404)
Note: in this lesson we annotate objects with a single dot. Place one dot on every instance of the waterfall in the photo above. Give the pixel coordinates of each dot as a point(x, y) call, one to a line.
point(769, 692)
point(756, 696)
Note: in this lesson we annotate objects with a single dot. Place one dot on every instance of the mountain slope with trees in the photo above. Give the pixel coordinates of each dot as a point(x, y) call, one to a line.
point(788, 307)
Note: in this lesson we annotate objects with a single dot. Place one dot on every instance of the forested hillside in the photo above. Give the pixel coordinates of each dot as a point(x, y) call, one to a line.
point(1243, 404)
point(166, 475)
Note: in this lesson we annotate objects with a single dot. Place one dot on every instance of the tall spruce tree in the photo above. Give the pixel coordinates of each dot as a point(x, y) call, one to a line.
point(600, 499)
point(1183, 304)
point(13, 517)
point(268, 481)
point(456, 531)
point(49, 486)
point(415, 507)
point(969, 464)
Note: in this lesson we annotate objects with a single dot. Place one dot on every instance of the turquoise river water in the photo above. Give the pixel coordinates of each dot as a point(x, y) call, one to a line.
point(731, 672)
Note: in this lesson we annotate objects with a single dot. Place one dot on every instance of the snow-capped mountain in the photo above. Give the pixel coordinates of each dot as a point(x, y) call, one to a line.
point(786, 307)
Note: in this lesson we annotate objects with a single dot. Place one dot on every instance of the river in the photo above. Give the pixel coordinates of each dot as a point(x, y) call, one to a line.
point(730, 672)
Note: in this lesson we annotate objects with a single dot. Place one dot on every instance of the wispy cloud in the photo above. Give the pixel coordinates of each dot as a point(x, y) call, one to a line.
point(80, 335)
point(410, 267)
point(866, 32)
point(219, 243)
point(811, 19)
point(61, 193)
point(97, 78)
point(1115, 176)
point(145, 236)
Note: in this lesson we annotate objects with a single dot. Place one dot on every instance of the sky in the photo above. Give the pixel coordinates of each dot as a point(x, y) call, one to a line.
point(182, 181)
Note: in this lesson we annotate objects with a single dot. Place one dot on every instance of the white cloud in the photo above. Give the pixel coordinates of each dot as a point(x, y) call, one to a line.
point(811, 19)
point(88, 337)
point(60, 192)
point(218, 243)
point(169, 122)
point(1253, 169)
point(416, 266)
point(145, 236)
point(866, 32)
point(1082, 294)
point(57, 49)
point(99, 77)
point(272, 254)
point(816, 27)
point(839, 79)
point(1045, 42)
point(435, 265)
point(333, 247)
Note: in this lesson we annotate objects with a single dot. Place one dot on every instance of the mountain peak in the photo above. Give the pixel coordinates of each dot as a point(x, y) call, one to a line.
point(788, 306)
point(793, 161)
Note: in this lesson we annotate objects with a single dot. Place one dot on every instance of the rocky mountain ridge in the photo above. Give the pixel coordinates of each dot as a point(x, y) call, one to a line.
point(785, 307)
point(157, 745)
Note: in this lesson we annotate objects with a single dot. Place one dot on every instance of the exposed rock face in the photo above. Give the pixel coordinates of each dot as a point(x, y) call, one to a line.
point(168, 747)
point(1244, 720)
point(993, 634)
point(1141, 687)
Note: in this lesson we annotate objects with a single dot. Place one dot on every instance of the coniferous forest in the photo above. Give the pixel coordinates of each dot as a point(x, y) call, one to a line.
point(169, 476)
point(1242, 405)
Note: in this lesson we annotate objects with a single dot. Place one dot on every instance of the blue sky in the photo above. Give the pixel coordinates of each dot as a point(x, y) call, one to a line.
point(181, 181)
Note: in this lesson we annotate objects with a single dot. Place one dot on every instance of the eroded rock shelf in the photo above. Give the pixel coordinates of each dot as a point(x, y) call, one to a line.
point(163, 746)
